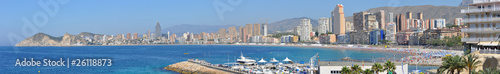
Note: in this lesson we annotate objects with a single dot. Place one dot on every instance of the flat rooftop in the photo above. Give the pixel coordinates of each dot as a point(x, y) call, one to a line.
point(346, 63)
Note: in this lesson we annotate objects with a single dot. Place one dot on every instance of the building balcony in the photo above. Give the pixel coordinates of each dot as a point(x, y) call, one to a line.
point(481, 30)
point(484, 1)
point(478, 10)
point(481, 20)
point(488, 39)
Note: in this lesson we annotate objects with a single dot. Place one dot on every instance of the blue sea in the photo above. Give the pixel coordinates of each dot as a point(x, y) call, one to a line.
point(152, 58)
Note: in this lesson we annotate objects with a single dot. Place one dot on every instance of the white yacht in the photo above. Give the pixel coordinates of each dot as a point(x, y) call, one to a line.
point(245, 60)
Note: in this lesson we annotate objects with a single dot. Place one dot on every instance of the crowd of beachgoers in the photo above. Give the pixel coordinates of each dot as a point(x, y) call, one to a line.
point(418, 56)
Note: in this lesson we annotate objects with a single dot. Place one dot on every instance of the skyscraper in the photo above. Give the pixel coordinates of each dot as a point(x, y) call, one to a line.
point(222, 33)
point(148, 35)
point(420, 15)
point(409, 15)
point(323, 25)
point(391, 17)
point(359, 21)
point(136, 36)
point(256, 29)
point(380, 16)
point(401, 22)
point(338, 18)
point(128, 36)
point(305, 29)
point(249, 29)
point(232, 32)
point(264, 28)
point(158, 30)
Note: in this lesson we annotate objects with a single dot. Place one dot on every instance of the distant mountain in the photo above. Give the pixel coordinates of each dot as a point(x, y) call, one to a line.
point(88, 34)
point(447, 12)
point(465, 2)
point(195, 29)
point(42, 39)
point(288, 24)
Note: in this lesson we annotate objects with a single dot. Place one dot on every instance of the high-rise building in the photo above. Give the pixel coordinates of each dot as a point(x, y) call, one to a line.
point(128, 36)
point(256, 29)
point(136, 36)
point(349, 27)
point(242, 33)
point(432, 24)
point(232, 33)
point(371, 22)
point(440, 23)
point(296, 30)
point(149, 34)
point(305, 29)
point(323, 25)
point(420, 15)
point(158, 30)
point(264, 28)
point(249, 29)
point(409, 15)
point(482, 27)
point(391, 17)
point(338, 18)
point(359, 21)
point(390, 34)
point(380, 17)
point(401, 23)
point(119, 36)
point(458, 21)
point(222, 33)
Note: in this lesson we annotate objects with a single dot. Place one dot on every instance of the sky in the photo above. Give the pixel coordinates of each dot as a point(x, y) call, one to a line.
point(20, 19)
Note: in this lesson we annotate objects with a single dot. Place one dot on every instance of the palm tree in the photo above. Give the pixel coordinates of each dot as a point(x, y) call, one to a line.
point(368, 71)
point(356, 69)
point(389, 66)
point(452, 64)
point(377, 67)
point(346, 70)
point(471, 62)
point(489, 71)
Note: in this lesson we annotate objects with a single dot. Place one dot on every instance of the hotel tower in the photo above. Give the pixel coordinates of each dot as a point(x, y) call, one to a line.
point(483, 25)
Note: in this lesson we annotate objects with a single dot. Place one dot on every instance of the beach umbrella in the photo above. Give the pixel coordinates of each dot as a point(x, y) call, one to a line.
point(262, 61)
point(287, 60)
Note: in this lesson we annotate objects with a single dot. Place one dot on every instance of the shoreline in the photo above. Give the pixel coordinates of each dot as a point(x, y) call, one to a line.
point(417, 56)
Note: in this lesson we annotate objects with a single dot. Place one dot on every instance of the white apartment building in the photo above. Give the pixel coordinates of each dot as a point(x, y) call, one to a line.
point(483, 25)
point(305, 29)
point(323, 25)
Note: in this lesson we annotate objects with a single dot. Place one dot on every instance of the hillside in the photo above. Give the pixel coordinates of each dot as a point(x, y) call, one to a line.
point(288, 24)
point(429, 11)
point(42, 39)
point(196, 29)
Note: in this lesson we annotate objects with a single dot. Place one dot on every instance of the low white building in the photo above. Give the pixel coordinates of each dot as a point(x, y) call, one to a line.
point(336, 67)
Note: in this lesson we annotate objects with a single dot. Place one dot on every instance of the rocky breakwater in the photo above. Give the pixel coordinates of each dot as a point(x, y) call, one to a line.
point(41, 39)
point(187, 67)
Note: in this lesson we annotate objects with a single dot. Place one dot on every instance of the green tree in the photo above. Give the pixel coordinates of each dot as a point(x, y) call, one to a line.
point(389, 66)
point(452, 64)
point(346, 70)
point(489, 71)
point(471, 62)
point(377, 68)
point(368, 71)
point(356, 69)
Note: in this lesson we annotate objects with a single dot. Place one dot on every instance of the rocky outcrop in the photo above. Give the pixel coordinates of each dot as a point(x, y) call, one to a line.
point(193, 68)
point(41, 39)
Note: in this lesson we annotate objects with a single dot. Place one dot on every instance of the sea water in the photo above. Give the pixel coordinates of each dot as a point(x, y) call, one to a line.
point(152, 58)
